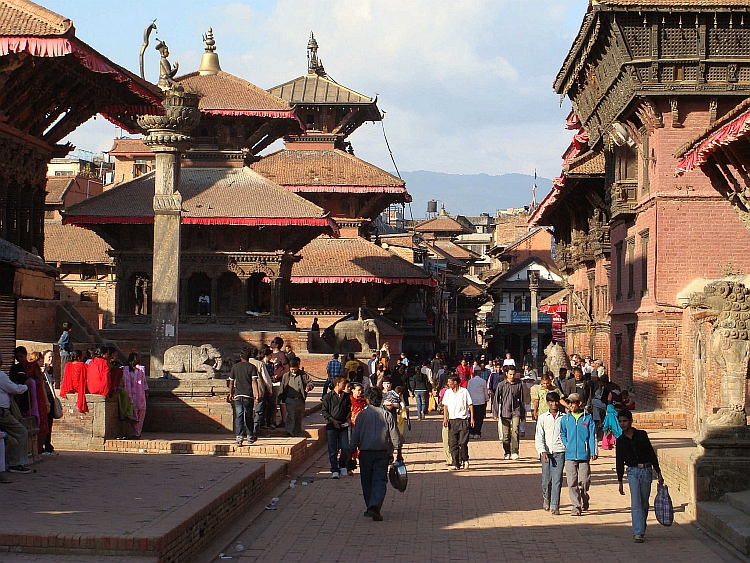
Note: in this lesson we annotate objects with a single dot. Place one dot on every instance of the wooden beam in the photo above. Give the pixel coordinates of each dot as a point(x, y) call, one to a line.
point(734, 158)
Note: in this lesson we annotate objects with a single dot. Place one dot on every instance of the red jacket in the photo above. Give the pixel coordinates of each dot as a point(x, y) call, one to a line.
point(74, 381)
point(98, 378)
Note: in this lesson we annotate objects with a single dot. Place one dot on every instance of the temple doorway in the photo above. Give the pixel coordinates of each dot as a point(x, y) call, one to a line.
point(229, 295)
point(198, 284)
point(259, 293)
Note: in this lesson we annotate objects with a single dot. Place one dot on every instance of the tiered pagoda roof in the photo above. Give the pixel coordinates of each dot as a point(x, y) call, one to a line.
point(210, 196)
point(329, 170)
point(355, 260)
point(74, 245)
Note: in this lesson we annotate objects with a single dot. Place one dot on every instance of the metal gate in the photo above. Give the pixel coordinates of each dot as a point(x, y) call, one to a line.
point(7, 329)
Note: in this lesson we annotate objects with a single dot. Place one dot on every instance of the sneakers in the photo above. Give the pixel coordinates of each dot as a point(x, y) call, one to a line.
point(545, 504)
point(506, 456)
point(514, 456)
point(239, 442)
point(555, 512)
point(335, 475)
point(465, 465)
point(19, 469)
point(374, 514)
point(638, 538)
point(452, 468)
point(252, 439)
point(575, 512)
point(343, 472)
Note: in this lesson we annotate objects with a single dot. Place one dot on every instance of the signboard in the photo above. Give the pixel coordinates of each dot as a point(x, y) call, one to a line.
point(524, 317)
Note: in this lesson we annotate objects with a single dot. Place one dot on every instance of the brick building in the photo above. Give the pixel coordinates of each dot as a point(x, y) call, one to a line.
point(644, 77)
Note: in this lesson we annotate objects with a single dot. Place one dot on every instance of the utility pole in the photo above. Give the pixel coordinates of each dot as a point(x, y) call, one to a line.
point(533, 276)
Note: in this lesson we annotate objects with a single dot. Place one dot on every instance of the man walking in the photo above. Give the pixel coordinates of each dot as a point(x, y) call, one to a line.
point(509, 396)
point(376, 436)
point(551, 451)
point(336, 408)
point(578, 434)
point(477, 388)
point(295, 385)
point(333, 368)
point(458, 417)
point(634, 449)
point(581, 387)
point(244, 391)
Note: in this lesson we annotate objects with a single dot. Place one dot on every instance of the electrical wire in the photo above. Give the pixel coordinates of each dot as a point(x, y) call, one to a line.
point(388, 146)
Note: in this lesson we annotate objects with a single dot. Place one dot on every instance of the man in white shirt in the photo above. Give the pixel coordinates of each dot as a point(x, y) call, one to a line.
point(477, 389)
point(551, 451)
point(458, 416)
point(18, 436)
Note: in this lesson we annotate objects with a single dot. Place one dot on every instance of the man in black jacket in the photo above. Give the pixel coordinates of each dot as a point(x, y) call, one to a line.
point(243, 390)
point(509, 397)
point(336, 408)
point(581, 386)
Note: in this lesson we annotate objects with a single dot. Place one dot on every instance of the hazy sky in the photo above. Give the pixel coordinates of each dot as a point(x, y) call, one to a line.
point(466, 85)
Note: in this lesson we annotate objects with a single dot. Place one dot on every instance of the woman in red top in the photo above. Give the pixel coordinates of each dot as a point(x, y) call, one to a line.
point(358, 405)
point(74, 380)
point(98, 377)
point(464, 372)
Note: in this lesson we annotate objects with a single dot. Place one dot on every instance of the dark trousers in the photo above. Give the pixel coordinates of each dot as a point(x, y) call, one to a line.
point(338, 440)
point(480, 411)
point(295, 412)
point(327, 385)
point(373, 467)
point(458, 440)
point(47, 446)
point(247, 417)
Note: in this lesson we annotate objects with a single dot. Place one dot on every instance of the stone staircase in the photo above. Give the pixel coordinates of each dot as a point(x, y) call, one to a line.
point(83, 332)
point(728, 518)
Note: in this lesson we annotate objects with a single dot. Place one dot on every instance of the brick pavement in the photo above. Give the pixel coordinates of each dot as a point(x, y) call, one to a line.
point(492, 512)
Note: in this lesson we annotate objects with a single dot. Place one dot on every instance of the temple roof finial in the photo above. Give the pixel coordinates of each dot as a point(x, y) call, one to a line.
point(314, 64)
point(210, 59)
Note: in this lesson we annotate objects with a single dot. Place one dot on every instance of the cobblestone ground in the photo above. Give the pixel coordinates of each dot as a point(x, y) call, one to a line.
point(491, 512)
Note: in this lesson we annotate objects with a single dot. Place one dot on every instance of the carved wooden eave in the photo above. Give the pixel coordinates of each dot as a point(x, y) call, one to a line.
point(627, 50)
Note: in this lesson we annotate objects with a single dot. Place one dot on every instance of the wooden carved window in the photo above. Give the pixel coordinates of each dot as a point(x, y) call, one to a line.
point(631, 267)
point(618, 271)
point(644, 263)
point(626, 164)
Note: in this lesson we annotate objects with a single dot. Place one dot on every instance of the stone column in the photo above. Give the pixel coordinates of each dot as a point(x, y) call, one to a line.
point(214, 308)
point(167, 136)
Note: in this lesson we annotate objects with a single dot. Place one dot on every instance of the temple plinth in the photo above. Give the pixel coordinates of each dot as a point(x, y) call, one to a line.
point(167, 136)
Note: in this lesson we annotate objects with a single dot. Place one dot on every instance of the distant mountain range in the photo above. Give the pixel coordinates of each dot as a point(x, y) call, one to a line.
point(471, 194)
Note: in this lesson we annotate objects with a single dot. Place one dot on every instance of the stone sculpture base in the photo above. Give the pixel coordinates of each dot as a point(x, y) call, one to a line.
point(189, 406)
point(722, 463)
point(195, 376)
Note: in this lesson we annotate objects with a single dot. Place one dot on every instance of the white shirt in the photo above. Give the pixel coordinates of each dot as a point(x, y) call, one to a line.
point(547, 439)
point(477, 389)
point(8, 388)
point(457, 402)
point(509, 362)
point(204, 299)
point(428, 372)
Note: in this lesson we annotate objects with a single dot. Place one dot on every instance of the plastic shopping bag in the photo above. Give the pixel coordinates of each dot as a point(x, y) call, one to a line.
point(663, 506)
point(432, 404)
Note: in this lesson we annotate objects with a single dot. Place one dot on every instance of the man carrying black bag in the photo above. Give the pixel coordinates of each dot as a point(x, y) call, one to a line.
point(376, 436)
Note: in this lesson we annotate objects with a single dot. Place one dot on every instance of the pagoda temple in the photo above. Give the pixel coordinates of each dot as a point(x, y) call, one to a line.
point(335, 277)
point(240, 231)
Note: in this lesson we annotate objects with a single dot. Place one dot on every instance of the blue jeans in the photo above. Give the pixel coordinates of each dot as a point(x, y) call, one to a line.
point(247, 417)
point(373, 467)
point(422, 403)
point(639, 481)
point(338, 439)
point(552, 473)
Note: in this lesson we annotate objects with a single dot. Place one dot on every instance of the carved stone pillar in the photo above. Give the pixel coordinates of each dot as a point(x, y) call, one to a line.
point(167, 136)
point(214, 308)
point(245, 290)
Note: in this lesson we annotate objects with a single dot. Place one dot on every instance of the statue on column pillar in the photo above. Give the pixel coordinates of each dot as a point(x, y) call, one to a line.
point(167, 135)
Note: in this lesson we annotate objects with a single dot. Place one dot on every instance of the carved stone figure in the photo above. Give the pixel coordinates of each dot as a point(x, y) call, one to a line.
point(166, 72)
point(193, 359)
point(556, 358)
point(730, 346)
point(356, 330)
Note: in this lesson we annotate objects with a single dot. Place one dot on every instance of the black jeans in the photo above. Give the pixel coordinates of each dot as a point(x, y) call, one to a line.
point(458, 440)
point(48, 438)
point(479, 413)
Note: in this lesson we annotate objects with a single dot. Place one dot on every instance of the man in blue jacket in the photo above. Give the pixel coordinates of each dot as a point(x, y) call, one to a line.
point(578, 434)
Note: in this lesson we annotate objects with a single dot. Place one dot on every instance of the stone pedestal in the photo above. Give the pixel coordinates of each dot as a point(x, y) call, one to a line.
point(722, 464)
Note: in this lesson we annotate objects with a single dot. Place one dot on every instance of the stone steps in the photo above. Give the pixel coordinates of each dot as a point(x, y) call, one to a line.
point(729, 523)
point(739, 501)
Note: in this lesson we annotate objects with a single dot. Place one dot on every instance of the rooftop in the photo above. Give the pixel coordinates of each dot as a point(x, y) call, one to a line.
point(354, 260)
point(74, 245)
point(56, 188)
point(327, 171)
point(22, 18)
point(218, 196)
point(443, 224)
point(129, 146)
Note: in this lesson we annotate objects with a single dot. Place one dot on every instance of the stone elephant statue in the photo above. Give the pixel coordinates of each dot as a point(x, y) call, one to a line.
point(193, 359)
point(556, 358)
point(356, 330)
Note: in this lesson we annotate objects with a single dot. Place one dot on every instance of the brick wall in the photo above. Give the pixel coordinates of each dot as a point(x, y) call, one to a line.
point(86, 431)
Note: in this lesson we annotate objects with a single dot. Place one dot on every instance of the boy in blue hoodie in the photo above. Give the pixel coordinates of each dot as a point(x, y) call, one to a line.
point(578, 433)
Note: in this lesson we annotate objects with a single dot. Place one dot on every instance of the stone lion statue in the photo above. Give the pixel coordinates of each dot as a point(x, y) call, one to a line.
point(555, 358)
point(193, 359)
